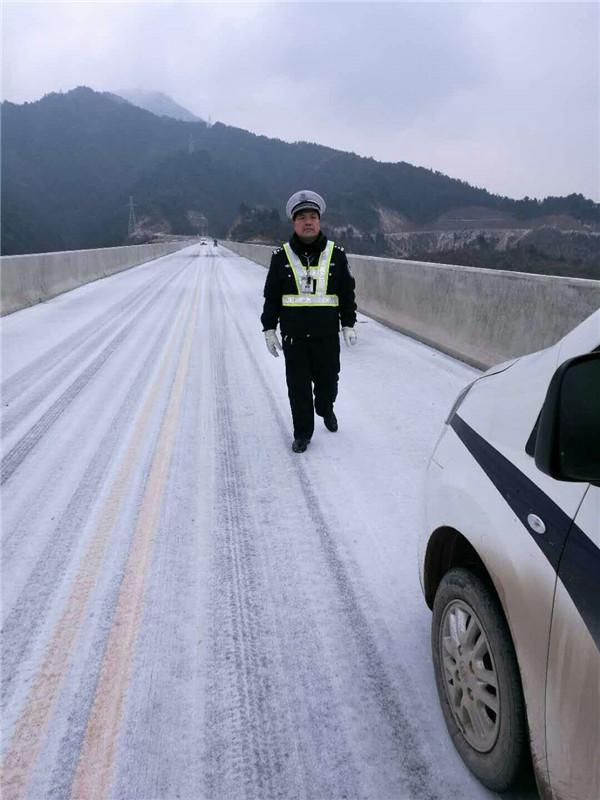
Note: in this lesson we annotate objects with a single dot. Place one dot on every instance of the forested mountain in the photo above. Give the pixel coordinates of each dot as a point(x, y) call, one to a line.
point(71, 161)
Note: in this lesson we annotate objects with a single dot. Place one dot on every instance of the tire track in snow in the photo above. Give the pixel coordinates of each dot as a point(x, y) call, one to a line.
point(94, 774)
point(254, 744)
point(27, 616)
point(419, 779)
point(237, 758)
point(25, 504)
point(19, 452)
point(165, 708)
point(40, 377)
point(22, 380)
point(34, 718)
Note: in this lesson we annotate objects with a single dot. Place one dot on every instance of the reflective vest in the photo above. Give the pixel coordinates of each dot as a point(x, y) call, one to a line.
point(311, 282)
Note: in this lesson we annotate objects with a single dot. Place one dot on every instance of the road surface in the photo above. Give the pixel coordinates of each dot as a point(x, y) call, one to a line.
point(190, 610)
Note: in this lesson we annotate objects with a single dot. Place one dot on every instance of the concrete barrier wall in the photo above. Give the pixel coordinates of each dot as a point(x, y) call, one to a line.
point(261, 253)
point(29, 279)
point(480, 316)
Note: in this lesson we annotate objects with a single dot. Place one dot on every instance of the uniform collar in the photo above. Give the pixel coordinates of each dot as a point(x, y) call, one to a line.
point(301, 248)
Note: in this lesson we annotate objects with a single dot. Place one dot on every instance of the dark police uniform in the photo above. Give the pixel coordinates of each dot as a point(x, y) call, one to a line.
point(309, 329)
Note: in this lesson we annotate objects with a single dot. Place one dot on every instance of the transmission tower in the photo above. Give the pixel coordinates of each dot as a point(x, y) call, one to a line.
point(132, 219)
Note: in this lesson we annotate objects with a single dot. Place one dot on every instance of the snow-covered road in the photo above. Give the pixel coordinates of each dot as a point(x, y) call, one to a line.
point(190, 610)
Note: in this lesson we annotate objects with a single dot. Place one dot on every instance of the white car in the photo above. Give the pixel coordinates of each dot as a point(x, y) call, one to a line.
point(510, 565)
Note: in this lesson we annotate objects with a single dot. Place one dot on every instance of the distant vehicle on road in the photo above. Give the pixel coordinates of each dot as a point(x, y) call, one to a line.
point(510, 565)
point(203, 241)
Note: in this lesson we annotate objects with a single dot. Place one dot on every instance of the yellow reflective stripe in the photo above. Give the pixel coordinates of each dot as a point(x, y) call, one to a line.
point(326, 262)
point(320, 271)
point(310, 300)
point(291, 256)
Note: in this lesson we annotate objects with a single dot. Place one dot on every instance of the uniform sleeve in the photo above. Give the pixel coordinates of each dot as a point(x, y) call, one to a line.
point(346, 296)
point(272, 293)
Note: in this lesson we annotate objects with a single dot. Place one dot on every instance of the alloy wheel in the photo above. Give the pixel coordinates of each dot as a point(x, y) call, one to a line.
point(470, 676)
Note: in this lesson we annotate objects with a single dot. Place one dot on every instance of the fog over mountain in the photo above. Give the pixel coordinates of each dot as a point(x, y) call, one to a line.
point(504, 95)
point(158, 103)
point(71, 161)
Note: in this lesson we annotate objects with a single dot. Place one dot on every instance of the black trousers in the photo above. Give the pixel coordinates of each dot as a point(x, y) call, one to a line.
point(311, 361)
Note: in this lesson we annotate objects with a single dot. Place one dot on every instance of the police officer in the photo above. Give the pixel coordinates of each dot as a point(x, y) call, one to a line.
point(309, 291)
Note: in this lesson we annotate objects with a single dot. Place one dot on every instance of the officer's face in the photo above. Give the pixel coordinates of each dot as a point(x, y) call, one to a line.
point(307, 225)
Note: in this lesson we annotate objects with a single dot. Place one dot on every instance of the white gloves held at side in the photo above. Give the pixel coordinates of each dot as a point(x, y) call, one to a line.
point(273, 343)
point(349, 335)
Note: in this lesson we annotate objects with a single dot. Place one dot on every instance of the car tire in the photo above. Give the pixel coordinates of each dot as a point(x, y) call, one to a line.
point(478, 679)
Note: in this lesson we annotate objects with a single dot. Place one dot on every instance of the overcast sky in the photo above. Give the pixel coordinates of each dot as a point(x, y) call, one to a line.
point(503, 95)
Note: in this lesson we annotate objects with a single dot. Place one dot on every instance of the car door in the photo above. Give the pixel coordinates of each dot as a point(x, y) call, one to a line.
point(573, 683)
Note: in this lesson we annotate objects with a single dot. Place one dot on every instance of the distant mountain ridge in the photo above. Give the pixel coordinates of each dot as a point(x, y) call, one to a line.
point(71, 161)
point(157, 103)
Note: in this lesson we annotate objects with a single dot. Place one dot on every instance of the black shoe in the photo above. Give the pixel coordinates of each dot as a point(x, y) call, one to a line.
point(330, 421)
point(300, 445)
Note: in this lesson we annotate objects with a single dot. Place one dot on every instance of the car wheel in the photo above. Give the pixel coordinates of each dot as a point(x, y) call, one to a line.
point(478, 679)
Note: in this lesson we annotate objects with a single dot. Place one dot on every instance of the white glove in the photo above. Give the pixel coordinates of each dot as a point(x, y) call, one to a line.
point(273, 343)
point(349, 336)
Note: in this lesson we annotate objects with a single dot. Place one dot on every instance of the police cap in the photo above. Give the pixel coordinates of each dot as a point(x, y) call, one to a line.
point(302, 200)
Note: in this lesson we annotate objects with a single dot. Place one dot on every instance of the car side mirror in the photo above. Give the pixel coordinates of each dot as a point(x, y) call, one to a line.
point(568, 437)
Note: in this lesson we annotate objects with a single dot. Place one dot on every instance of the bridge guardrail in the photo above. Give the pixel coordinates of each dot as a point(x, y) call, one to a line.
point(481, 316)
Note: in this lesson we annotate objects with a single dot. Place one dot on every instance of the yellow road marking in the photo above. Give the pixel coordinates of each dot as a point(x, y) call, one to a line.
point(33, 720)
point(94, 773)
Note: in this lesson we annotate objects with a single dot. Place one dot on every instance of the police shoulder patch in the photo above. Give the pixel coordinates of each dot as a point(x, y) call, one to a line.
point(277, 250)
point(339, 247)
